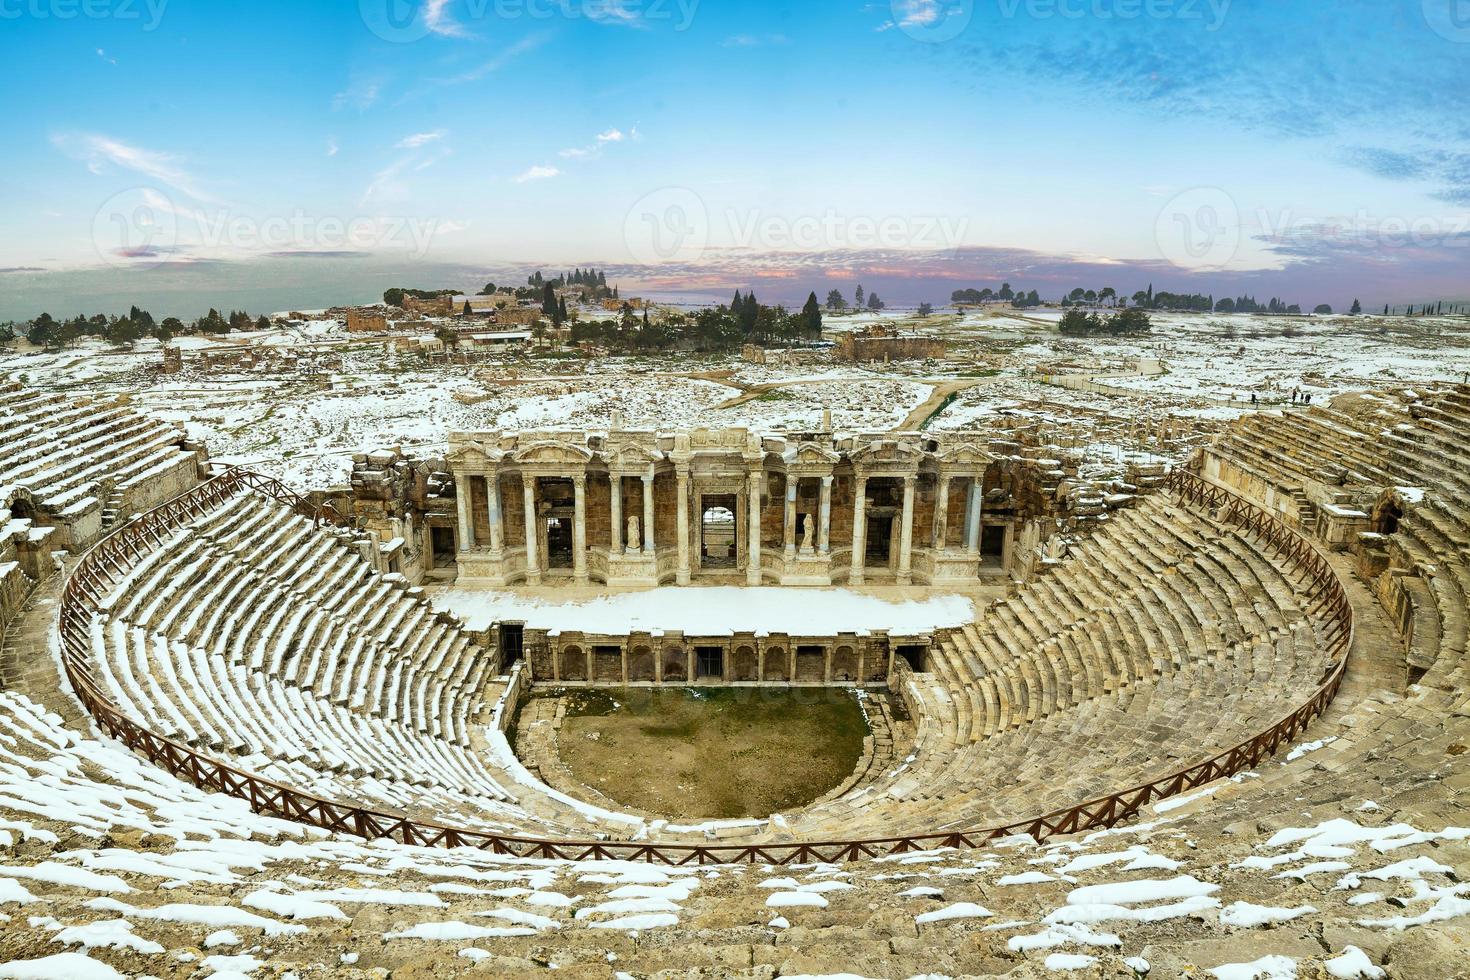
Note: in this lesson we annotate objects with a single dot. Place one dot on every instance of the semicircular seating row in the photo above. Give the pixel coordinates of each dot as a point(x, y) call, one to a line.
point(64, 451)
point(1401, 743)
point(1163, 639)
point(253, 635)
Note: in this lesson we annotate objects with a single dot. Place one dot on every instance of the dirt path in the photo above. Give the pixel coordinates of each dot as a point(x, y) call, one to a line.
point(942, 390)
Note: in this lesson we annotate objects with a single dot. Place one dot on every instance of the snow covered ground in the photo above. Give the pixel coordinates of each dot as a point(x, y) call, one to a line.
point(718, 611)
point(305, 428)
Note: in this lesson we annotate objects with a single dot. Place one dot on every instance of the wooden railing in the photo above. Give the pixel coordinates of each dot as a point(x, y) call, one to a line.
point(109, 561)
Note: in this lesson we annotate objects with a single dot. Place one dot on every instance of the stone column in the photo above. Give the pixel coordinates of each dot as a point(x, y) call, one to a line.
point(824, 520)
point(579, 532)
point(906, 534)
point(497, 533)
point(648, 514)
point(533, 537)
point(753, 530)
point(462, 502)
point(859, 528)
point(615, 543)
point(972, 519)
point(941, 513)
point(788, 520)
point(683, 526)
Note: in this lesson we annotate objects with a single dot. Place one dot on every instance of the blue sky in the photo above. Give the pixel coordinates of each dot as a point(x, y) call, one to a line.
point(1300, 148)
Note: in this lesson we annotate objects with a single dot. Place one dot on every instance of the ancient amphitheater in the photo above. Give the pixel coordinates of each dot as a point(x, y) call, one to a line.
point(1218, 729)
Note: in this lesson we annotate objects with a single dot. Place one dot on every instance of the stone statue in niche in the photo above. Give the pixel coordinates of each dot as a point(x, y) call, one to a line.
point(1055, 548)
point(634, 544)
point(806, 533)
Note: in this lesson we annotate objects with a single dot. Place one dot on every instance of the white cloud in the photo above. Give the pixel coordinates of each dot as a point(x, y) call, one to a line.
point(614, 135)
point(611, 12)
point(438, 21)
point(917, 13)
point(537, 173)
point(99, 152)
point(526, 44)
point(386, 183)
point(752, 41)
point(103, 55)
point(419, 139)
point(360, 94)
point(332, 147)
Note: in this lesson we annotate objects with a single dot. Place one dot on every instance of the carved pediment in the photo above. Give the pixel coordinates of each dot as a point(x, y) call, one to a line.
point(474, 456)
point(810, 455)
point(631, 457)
point(886, 451)
point(552, 454)
point(965, 456)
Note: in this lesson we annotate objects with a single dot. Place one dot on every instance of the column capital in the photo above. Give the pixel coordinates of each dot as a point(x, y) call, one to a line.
point(579, 479)
point(827, 480)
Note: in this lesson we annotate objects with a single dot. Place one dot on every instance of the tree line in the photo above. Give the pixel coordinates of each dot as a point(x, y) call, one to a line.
point(126, 329)
point(836, 302)
point(1077, 322)
point(744, 320)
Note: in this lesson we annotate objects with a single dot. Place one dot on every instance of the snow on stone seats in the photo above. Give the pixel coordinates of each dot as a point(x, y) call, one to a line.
point(1164, 638)
point(112, 869)
point(251, 633)
point(1359, 839)
point(78, 459)
point(1413, 450)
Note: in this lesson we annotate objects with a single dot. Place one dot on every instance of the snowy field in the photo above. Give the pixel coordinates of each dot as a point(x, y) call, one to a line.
point(720, 611)
point(304, 428)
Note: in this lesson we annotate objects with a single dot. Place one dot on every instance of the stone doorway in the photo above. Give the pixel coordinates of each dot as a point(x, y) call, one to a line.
point(709, 663)
point(512, 643)
point(878, 548)
point(558, 542)
point(914, 656)
point(717, 539)
point(993, 544)
point(442, 546)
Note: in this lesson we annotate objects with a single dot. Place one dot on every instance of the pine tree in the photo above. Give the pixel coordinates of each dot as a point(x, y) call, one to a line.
point(1357, 308)
point(857, 298)
point(811, 317)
